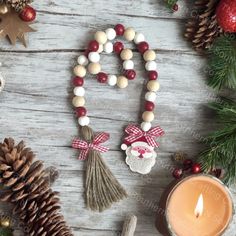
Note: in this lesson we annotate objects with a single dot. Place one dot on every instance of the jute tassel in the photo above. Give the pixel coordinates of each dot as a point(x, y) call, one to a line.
point(102, 188)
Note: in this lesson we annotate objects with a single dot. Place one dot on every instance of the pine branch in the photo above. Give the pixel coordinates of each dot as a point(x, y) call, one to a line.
point(222, 143)
point(222, 69)
point(171, 4)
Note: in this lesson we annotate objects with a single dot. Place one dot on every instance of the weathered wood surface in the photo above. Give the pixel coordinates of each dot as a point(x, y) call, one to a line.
point(35, 105)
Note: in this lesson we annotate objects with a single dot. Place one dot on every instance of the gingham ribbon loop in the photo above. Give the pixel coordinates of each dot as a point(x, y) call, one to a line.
point(136, 133)
point(95, 145)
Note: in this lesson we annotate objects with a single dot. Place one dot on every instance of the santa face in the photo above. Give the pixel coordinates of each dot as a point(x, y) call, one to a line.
point(140, 157)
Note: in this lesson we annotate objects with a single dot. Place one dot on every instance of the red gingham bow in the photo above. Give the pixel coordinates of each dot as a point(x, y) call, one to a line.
point(85, 146)
point(136, 133)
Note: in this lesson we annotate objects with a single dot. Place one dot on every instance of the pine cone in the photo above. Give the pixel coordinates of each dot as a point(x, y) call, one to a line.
point(203, 28)
point(18, 5)
point(24, 185)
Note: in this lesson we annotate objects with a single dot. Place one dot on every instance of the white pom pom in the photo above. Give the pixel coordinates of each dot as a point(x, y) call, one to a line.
point(108, 47)
point(79, 91)
point(145, 126)
point(138, 38)
point(150, 96)
point(83, 120)
point(128, 65)
point(151, 65)
point(94, 57)
point(112, 80)
point(123, 146)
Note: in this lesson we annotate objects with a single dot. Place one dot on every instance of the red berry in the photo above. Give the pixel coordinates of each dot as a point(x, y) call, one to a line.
point(118, 47)
point(78, 81)
point(130, 74)
point(120, 29)
point(93, 46)
point(152, 75)
point(177, 173)
point(143, 47)
point(196, 168)
point(28, 14)
point(188, 163)
point(149, 106)
point(217, 173)
point(80, 111)
point(102, 77)
point(226, 15)
point(176, 7)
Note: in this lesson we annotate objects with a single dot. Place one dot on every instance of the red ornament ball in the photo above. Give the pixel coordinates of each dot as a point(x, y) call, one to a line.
point(78, 81)
point(80, 111)
point(130, 74)
point(102, 77)
point(149, 106)
point(118, 47)
point(187, 164)
point(226, 15)
point(196, 168)
point(120, 29)
point(175, 7)
point(152, 75)
point(143, 47)
point(177, 173)
point(28, 14)
point(93, 46)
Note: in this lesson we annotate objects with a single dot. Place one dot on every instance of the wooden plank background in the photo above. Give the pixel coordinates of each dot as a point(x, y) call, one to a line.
point(35, 105)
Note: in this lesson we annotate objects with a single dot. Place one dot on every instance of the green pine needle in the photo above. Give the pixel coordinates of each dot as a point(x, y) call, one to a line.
point(222, 143)
point(222, 63)
point(171, 3)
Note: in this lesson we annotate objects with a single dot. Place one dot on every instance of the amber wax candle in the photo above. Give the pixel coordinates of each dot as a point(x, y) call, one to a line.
point(199, 205)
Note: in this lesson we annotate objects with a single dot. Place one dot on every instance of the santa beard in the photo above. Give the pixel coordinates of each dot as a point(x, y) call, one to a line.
point(140, 165)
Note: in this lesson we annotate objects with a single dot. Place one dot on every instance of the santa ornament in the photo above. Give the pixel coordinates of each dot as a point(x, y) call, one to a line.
point(102, 188)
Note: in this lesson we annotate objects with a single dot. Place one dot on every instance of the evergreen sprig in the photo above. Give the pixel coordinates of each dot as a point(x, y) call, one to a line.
point(171, 4)
point(222, 143)
point(222, 63)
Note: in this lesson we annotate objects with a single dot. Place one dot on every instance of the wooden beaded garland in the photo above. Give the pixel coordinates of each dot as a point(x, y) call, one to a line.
point(139, 142)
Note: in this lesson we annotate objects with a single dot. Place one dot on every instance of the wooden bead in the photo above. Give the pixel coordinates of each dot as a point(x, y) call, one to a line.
point(148, 116)
point(80, 71)
point(145, 126)
point(153, 85)
point(100, 37)
point(78, 101)
point(122, 82)
point(94, 68)
point(126, 54)
point(149, 55)
point(129, 34)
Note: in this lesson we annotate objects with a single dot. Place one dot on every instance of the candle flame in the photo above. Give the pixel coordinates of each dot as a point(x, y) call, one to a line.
point(199, 207)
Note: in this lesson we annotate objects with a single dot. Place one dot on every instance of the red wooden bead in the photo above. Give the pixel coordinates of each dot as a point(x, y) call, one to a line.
point(118, 47)
point(93, 46)
point(80, 111)
point(130, 74)
point(143, 47)
point(120, 29)
point(102, 77)
point(28, 14)
point(149, 106)
point(152, 75)
point(78, 81)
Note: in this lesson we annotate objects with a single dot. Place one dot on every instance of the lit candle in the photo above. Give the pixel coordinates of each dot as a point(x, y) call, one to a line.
point(198, 205)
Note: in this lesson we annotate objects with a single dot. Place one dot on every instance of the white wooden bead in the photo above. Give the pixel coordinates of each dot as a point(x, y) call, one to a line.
point(129, 34)
point(100, 49)
point(151, 65)
point(108, 47)
point(83, 120)
point(145, 126)
point(112, 80)
point(82, 60)
point(94, 56)
point(94, 68)
point(111, 33)
point(122, 82)
point(80, 71)
point(153, 85)
point(78, 101)
point(150, 96)
point(149, 55)
point(128, 65)
point(126, 54)
point(79, 91)
point(100, 37)
point(138, 38)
